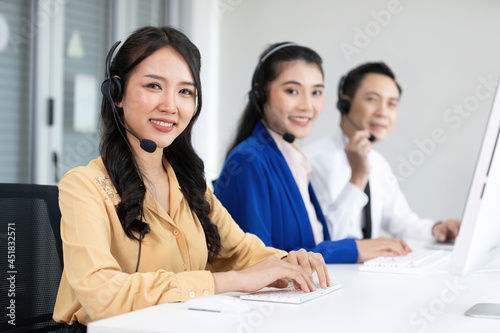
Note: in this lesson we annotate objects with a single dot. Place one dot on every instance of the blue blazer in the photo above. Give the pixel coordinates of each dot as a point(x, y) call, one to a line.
point(257, 188)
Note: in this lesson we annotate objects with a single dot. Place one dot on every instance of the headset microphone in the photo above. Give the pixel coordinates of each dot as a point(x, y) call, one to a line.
point(146, 145)
point(372, 137)
point(289, 137)
point(112, 90)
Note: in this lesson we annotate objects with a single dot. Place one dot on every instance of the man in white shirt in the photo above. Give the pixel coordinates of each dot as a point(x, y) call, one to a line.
point(354, 184)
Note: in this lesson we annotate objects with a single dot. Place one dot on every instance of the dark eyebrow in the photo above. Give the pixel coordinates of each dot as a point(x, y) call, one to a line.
point(157, 77)
point(376, 94)
point(188, 83)
point(319, 85)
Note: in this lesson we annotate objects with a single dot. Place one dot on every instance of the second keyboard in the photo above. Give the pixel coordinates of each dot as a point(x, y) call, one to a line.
point(415, 262)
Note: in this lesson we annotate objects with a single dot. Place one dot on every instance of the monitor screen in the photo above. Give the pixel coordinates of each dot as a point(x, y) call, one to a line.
point(478, 241)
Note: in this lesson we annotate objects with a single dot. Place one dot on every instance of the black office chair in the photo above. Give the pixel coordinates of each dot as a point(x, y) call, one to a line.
point(31, 260)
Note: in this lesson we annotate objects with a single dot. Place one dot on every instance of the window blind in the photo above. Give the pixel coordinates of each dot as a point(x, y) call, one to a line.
point(15, 84)
point(86, 29)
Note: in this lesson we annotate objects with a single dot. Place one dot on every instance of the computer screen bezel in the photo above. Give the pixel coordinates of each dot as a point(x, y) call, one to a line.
point(478, 241)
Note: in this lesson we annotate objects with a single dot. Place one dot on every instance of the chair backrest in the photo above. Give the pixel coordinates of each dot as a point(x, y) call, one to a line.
point(31, 260)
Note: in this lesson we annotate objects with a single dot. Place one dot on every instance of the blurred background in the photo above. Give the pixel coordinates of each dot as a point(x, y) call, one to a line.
point(444, 53)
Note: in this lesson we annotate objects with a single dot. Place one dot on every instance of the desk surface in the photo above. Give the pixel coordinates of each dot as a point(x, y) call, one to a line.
point(368, 302)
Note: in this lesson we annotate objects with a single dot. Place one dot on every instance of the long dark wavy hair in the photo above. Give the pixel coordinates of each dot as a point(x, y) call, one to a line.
point(267, 71)
point(118, 157)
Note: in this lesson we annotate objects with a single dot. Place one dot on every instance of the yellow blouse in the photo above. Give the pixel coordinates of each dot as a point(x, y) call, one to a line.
point(99, 278)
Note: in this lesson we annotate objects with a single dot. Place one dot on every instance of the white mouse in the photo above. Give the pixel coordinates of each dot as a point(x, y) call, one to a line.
point(219, 303)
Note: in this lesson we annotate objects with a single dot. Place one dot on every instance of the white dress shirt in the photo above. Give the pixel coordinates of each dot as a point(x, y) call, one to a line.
point(342, 202)
point(301, 172)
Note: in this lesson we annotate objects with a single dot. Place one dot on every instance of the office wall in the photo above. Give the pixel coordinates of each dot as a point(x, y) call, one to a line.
point(445, 55)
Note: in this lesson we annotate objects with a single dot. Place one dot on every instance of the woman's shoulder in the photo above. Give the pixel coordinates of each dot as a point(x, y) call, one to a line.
point(94, 168)
point(250, 153)
point(92, 177)
point(259, 144)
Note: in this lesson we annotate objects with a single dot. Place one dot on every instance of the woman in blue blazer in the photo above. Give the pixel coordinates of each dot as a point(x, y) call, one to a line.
point(265, 180)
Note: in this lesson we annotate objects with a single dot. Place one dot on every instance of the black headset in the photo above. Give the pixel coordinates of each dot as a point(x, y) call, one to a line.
point(112, 90)
point(342, 104)
point(111, 87)
point(257, 95)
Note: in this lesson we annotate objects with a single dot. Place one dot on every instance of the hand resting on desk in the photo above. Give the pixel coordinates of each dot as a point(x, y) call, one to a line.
point(298, 267)
point(383, 246)
point(371, 248)
point(446, 231)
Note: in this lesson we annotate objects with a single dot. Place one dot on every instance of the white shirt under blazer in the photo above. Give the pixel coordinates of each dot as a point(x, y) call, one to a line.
point(342, 202)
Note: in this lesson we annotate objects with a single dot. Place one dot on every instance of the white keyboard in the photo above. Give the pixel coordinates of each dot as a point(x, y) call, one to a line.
point(415, 262)
point(290, 294)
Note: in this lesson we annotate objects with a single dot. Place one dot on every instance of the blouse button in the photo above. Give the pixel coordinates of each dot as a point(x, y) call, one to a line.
point(192, 294)
point(176, 232)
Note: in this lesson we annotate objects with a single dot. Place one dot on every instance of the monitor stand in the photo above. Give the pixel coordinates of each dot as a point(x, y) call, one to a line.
point(484, 310)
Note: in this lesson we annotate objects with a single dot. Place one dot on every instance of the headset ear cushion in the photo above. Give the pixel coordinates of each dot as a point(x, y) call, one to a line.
point(257, 97)
point(105, 90)
point(343, 105)
point(112, 89)
point(260, 96)
point(116, 88)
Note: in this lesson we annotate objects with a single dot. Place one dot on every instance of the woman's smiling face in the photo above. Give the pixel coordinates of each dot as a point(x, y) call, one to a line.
point(294, 100)
point(159, 99)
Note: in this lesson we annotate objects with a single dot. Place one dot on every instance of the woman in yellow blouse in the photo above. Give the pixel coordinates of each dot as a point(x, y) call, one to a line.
point(139, 226)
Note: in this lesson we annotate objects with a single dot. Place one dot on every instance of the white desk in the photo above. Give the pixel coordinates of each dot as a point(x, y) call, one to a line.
point(368, 302)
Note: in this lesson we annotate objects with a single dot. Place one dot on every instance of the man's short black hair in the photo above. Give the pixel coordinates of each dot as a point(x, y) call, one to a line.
point(351, 82)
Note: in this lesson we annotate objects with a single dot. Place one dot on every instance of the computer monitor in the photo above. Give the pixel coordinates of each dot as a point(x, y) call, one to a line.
point(478, 241)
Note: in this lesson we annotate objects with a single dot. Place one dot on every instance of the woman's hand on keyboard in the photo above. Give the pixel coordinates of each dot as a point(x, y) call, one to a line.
point(383, 246)
point(311, 262)
point(298, 267)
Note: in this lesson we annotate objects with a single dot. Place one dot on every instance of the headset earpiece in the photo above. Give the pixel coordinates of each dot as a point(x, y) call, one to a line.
point(257, 97)
point(251, 98)
point(116, 89)
point(111, 87)
point(342, 104)
point(260, 96)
